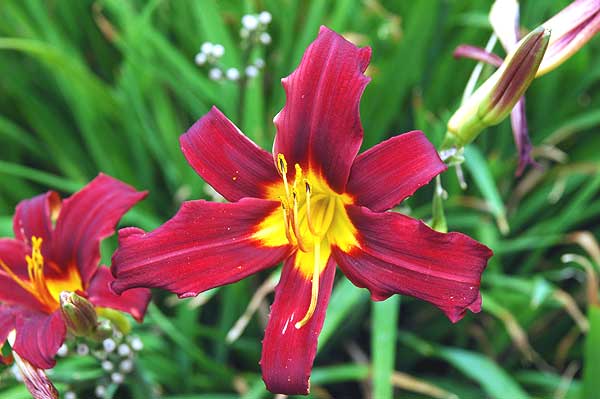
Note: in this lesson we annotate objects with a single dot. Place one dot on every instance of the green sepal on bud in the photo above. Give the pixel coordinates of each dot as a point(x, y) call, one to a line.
point(493, 101)
point(78, 313)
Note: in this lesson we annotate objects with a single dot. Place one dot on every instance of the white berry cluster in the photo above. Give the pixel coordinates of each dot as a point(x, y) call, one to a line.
point(253, 32)
point(115, 355)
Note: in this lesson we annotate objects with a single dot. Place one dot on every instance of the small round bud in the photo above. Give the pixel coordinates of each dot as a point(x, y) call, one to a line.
point(108, 365)
point(117, 378)
point(206, 48)
point(83, 349)
point(251, 71)
point(265, 38)
point(264, 18)
point(136, 344)
point(100, 391)
point(259, 63)
point(126, 366)
point(218, 50)
point(250, 22)
point(70, 395)
point(63, 350)
point(215, 74)
point(200, 59)
point(123, 350)
point(244, 33)
point(109, 345)
point(232, 74)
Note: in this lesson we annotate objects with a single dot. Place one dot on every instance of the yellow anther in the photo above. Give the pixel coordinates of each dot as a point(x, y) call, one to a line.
point(315, 287)
point(282, 164)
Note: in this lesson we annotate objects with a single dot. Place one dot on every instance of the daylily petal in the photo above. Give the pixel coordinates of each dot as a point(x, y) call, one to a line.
point(319, 127)
point(7, 324)
point(205, 245)
point(398, 254)
point(12, 254)
point(229, 161)
point(386, 174)
point(518, 120)
point(38, 338)
point(33, 217)
point(288, 352)
point(477, 54)
point(571, 29)
point(134, 301)
point(87, 217)
point(504, 18)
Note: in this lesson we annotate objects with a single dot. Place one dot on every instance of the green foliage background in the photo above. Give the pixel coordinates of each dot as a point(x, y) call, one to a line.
point(109, 85)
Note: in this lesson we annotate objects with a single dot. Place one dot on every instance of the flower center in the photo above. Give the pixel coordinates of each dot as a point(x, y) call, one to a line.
point(44, 289)
point(314, 219)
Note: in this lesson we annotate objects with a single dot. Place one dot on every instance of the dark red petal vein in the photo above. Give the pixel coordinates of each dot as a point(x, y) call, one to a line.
point(288, 353)
point(386, 174)
point(134, 301)
point(38, 337)
point(87, 217)
point(319, 127)
point(204, 245)
point(400, 255)
point(229, 161)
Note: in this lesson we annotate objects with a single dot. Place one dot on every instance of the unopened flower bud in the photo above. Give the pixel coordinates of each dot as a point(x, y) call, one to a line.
point(264, 17)
point(117, 378)
point(496, 97)
point(78, 313)
point(571, 29)
point(109, 345)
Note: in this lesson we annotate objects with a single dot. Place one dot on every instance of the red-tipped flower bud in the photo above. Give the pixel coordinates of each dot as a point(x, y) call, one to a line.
point(496, 97)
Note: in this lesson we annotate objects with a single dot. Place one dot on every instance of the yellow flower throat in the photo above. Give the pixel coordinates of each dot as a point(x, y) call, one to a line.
point(312, 219)
point(45, 290)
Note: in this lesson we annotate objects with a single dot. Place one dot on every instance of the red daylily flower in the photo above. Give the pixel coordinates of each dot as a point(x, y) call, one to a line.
point(57, 248)
point(312, 204)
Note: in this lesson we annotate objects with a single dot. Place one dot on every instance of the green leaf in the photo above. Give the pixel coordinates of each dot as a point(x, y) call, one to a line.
point(591, 365)
point(383, 345)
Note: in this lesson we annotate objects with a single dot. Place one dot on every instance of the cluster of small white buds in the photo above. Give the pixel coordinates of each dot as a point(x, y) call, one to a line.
point(117, 360)
point(209, 53)
point(253, 32)
point(255, 25)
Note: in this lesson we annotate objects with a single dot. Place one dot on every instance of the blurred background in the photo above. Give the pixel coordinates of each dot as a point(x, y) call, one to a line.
point(109, 85)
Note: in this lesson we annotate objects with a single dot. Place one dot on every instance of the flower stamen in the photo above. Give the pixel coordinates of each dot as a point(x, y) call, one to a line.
point(309, 221)
point(36, 285)
point(282, 166)
point(286, 221)
point(314, 289)
point(296, 225)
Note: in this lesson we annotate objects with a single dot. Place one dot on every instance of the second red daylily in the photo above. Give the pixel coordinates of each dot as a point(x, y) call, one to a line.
point(313, 204)
point(57, 248)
